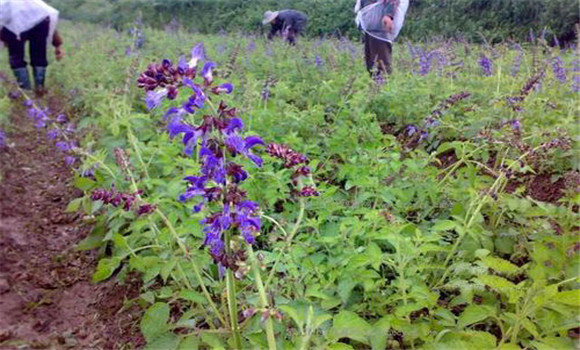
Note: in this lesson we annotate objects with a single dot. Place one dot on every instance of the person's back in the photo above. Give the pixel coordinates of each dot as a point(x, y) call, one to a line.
point(287, 22)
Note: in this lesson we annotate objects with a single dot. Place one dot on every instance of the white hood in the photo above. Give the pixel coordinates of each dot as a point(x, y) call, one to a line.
point(19, 16)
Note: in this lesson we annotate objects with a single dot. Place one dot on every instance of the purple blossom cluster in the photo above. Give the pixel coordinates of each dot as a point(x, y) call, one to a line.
point(532, 83)
point(296, 162)
point(221, 151)
point(559, 69)
point(58, 129)
point(514, 70)
point(486, 65)
point(127, 201)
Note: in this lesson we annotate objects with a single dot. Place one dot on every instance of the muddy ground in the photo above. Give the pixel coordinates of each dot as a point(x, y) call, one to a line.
point(47, 299)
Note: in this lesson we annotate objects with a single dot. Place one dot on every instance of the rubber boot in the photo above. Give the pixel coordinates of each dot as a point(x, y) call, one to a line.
point(39, 77)
point(22, 78)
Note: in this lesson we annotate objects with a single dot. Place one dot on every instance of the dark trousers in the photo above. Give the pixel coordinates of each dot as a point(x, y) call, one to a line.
point(377, 55)
point(37, 36)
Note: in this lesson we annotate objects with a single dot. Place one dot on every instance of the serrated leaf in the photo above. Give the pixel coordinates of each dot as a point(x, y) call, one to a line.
point(496, 282)
point(568, 297)
point(500, 265)
point(154, 322)
point(474, 314)
point(347, 324)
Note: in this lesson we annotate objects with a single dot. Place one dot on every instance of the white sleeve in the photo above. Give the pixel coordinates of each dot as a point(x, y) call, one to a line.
point(357, 6)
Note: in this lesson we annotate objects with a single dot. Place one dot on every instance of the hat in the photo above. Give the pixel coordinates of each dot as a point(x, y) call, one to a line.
point(269, 16)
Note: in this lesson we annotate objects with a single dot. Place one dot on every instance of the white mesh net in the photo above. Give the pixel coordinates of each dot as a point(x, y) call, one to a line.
point(370, 20)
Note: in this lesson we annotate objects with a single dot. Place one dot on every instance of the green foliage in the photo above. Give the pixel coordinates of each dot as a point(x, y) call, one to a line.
point(439, 244)
point(492, 20)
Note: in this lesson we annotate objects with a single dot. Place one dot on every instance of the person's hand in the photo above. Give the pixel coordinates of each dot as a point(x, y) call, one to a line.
point(388, 23)
point(58, 53)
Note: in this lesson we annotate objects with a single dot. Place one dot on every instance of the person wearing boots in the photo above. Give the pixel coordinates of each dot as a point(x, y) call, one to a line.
point(31, 21)
point(289, 23)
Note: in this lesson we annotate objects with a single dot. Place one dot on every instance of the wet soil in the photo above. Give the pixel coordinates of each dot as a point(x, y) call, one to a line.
point(47, 299)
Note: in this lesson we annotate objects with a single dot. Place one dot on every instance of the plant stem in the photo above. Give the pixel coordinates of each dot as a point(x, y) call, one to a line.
point(232, 304)
point(263, 298)
point(288, 241)
point(194, 266)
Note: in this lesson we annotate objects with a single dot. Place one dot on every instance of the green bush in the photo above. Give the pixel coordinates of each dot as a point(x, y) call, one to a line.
point(494, 20)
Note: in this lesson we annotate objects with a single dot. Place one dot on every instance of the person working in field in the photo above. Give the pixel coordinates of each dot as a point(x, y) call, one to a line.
point(381, 21)
point(288, 23)
point(33, 21)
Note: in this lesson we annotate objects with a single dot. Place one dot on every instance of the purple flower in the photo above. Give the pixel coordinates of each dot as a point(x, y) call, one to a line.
point(61, 119)
point(206, 73)
point(517, 61)
point(197, 99)
point(154, 98)
point(197, 54)
point(69, 160)
point(486, 65)
point(2, 138)
point(53, 133)
point(318, 61)
point(251, 47)
point(226, 88)
point(558, 69)
point(65, 146)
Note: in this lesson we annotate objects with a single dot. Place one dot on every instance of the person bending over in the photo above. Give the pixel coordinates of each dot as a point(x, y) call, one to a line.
point(31, 21)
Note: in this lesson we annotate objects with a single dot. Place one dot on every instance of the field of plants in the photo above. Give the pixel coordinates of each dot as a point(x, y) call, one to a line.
point(259, 195)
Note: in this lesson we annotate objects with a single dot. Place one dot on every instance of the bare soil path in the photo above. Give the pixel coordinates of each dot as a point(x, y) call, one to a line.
point(47, 299)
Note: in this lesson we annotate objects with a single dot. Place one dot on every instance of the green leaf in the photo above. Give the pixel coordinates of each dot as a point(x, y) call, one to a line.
point(192, 295)
point(509, 346)
point(444, 225)
point(474, 314)
point(296, 316)
point(84, 183)
point(154, 322)
point(530, 327)
point(74, 205)
point(347, 324)
point(496, 282)
point(105, 268)
point(340, 346)
point(568, 297)
point(380, 333)
point(345, 287)
point(189, 343)
point(165, 341)
point(500, 265)
point(213, 341)
point(93, 240)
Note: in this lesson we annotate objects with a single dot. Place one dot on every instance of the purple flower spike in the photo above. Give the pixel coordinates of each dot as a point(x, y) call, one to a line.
point(486, 65)
point(154, 98)
point(197, 54)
